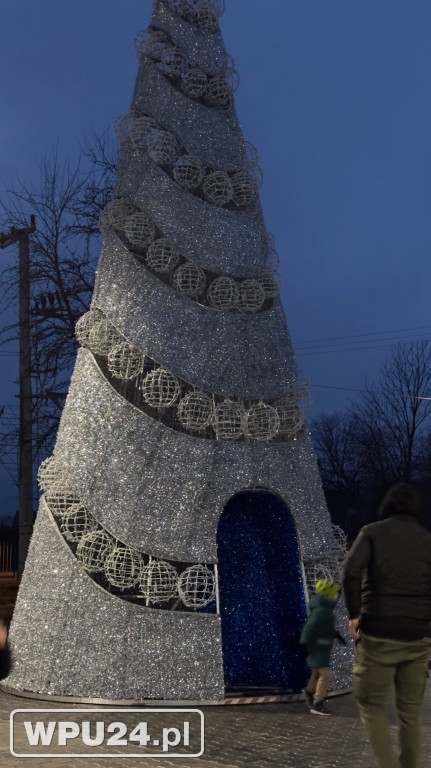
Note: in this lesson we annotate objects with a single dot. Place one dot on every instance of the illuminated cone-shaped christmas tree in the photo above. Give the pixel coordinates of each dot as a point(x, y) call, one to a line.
point(183, 519)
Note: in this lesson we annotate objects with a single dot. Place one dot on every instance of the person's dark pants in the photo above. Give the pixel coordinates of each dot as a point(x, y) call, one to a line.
point(379, 663)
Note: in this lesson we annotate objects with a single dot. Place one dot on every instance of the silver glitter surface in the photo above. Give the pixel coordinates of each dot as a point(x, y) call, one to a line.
point(163, 492)
point(227, 353)
point(159, 490)
point(203, 50)
point(235, 242)
point(211, 134)
point(124, 652)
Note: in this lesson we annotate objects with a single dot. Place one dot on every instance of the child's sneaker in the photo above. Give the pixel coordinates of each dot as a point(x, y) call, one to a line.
point(320, 709)
point(309, 698)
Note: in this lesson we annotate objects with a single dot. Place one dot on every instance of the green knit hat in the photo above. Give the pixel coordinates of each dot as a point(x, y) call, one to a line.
point(327, 588)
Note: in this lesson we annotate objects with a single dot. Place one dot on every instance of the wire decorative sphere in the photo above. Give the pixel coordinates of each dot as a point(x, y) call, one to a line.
point(314, 572)
point(303, 393)
point(194, 83)
point(251, 153)
point(140, 230)
point(251, 296)
point(125, 362)
point(60, 497)
point(172, 62)
point(188, 171)
point(339, 546)
point(103, 337)
point(204, 18)
point(123, 567)
point(196, 586)
point(244, 189)
point(195, 411)
point(152, 42)
point(217, 188)
point(50, 470)
point(161, 256)
point(86, 324)
point(223, 293)
point(160, 388)
point(118, 211)
point(218, 93)
point(189, 279)
point(290, 415)
point(162, 147)
point(123, 125)
point(270, 283)
point(93, 549)
point(229, 419)
point(140, 129)
point(76, 522)
point(158, 581)
point(262, 422)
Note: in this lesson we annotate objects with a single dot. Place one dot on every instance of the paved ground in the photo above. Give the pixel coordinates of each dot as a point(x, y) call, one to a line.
point(256, 736)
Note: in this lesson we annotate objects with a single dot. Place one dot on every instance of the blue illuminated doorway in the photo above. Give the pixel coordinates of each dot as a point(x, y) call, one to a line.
point(262, 602)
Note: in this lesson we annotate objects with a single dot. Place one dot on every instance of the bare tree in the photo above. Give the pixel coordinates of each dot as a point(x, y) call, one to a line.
point(385, 437)
point(66, 202)
point(394, 416)
point(338, 455)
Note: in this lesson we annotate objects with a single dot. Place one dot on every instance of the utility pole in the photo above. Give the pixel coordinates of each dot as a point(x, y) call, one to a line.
point(25, 468)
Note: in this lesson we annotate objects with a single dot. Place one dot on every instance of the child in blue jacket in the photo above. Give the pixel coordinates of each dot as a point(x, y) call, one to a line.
point(318, 635)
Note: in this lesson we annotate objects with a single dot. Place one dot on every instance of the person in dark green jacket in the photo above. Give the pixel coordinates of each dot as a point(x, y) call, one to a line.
point(318, 634)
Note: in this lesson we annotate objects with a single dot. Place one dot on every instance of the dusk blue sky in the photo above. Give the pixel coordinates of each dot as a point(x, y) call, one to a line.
point(335, 94)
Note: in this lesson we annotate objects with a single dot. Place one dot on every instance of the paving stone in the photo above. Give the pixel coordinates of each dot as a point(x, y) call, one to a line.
point(253, 736)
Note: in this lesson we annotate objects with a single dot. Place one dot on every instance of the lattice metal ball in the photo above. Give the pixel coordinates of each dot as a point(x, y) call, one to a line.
point(251, 153)
point(188, 171)
point(314, 572)
point(262, 422)
point(93, 549)
point(339, 546)
point(158, 581)
point(162, 147)
point(86, 324)
point(255, 173)
point(196, 586)
point(123, 125)
point(49, 472)
point(140, 230)
point(195, 411)
point(160, 388)
point(218, 93)
point(303, 393)
point(291, 416)
point(194, 83)
point(161, 256)
point(152, 42)
point(123, 567)
point(223, 293)
point(189, 279)
point(118, 211)
point(229, 418)
point(204, 18)
point(251, 296)
point(244, 189)
point(125, 362)
point(60, 497)
point(140, 129)
point(270, 283)
point(103, 337)
point(76, 522)
point(218, 188)
point(172, 62)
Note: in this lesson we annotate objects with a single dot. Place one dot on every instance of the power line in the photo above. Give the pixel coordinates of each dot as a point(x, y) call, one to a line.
point(368, 333)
